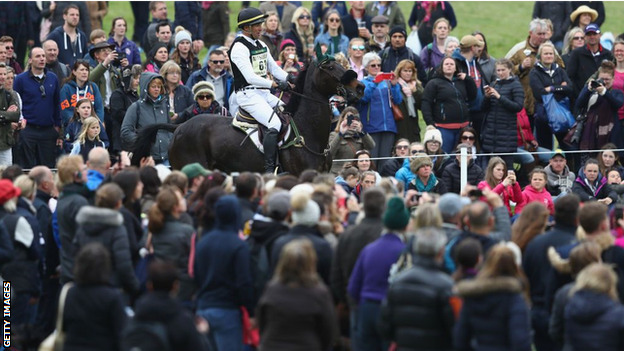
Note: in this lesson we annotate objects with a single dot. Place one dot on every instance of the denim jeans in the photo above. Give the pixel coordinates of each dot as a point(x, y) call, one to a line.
point(367, 336)
point(6, 157)
point(449, 139)
point(226, 328)
point(525, 157)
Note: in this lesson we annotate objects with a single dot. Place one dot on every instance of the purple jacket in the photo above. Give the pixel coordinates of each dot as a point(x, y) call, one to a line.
point(369, 279)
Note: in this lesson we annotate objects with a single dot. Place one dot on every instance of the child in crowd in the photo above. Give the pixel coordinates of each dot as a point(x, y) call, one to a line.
point(536, 191)
point(88, 139)
point(615, 181)
point(348, 178)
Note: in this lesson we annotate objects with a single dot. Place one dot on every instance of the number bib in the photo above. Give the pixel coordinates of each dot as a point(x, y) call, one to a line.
point(259, 61)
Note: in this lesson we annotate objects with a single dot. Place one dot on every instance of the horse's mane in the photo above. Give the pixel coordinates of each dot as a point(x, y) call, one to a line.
point(300, 83)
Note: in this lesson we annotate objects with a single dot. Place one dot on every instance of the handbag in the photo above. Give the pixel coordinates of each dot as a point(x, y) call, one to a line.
point(396, 111)
point(413, 41)
point(56, 340)
point(560, 119)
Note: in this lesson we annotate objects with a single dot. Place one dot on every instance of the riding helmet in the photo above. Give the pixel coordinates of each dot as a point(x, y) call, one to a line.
point(250, 16)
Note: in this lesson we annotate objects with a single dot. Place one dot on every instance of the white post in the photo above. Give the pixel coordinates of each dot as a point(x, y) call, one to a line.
point(463, 167)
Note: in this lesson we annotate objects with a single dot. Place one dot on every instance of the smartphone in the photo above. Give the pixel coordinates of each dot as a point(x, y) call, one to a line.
point(234, 176)
point(362, 24)
point(416, 197)
point(291, 56)
point(350, 119)
point(384, 76)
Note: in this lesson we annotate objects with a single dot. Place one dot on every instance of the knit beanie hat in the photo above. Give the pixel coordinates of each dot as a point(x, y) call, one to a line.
point(182, 35)
point(398, 29)
point(304, 211)
point(420, 160)
point(431, 135)
point(203, 87)
point(278, 204)
point(286, 43)
point(396, 216)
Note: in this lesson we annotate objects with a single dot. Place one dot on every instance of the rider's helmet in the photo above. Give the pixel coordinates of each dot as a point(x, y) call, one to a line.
point(250, 16)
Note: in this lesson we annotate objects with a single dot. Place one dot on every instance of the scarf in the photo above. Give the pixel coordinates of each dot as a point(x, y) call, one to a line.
point(421, 187)
point(429, 6)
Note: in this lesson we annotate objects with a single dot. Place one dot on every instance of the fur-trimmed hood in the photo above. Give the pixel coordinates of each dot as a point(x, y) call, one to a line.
point(480, 287)
point(89, 215)
point(562, 265)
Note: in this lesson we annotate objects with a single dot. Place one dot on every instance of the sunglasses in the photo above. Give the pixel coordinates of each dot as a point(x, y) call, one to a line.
point(218, 62)
point(334, 20)
point(375, 64)
point(304, 17)
point(414, 152)
point(204, 97)
point(578, 38)
point(43, 92)
point(358, 47)
point(402, 147)
point(467, 137)
point(9, 47)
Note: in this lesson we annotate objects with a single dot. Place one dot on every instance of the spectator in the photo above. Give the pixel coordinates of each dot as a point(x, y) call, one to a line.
point(470, 137)
point(348, 178)
point(368, 179)
point(215, 23)
point(452, 173)
point(442, 107)
point(389, 9)
point(284, 11)
point(130, 182)
point(97, 36)
point(93, 295)
point(433, 53)
point(397, 52)
point(16, 126)
point(433, 147)
point(590, 185)
point(97, 11)
point(77, 87)
point(450, 206)
point(183, 55)
point(424, 15)
point(575, 39)
point(289, 62)
point(450, 45)
point(83, 110)
point(586, 60)
point(6, 53)
point(88, 138)
point(503, 100)
point(466, 60)
point(425, 181)
point(559, 14)
point(618, 78)
point(536, 191)
point(355, 56)
point(120, 100)
point(158, 10)
point(205, 103)
point(247, 193)
point(320, 9)
point(106, 75)
point(412, 91)
point(531, 223)
point(189, 15)
point(368, 284)
point(583, 16)
point(487, 62)
point(560, 178)
point(364, 164)
point(608, 160)
point(375, 111)
point(332, 34)
point(72, 41)
point(15, 26)
point(422, 290)
point(224, 289)
point(151, 185)
point(502, 182)
point(379, 38)
point(10, 112)
point(301, 32)
point(98, 164)
point(196, 175)
point(469, 256)
point(152, 100)
point(526, 142)
point(284, 321)
point(41, 135)
point(272, 33)
point(122, 44)
point(55, 11)
point(180, 97)
point(495, 306)
point(399, 151)
point(357, 23)
point(348, 138)
point(52, 63)
point(215, 73)
point(103, 224)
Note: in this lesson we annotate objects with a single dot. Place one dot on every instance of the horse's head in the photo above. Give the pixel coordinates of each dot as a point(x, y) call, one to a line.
point(331, 78)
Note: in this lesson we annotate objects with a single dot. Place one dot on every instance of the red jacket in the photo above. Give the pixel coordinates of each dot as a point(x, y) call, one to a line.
point(510, 193)
point(523, 122)
point(531, 195)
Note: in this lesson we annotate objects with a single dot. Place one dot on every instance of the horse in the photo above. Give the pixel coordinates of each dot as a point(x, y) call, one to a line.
point(212, 141)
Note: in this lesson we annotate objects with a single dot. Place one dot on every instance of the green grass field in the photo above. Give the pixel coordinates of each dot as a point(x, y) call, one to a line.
point(504, 23)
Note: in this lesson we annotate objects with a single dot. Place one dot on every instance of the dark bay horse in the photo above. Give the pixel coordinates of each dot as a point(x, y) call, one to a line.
point(212, 141)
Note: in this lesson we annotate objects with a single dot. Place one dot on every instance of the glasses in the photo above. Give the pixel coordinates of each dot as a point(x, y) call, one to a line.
point(42, 90)
point(402, 147)
point(468, 137)
point(334, 20)
point(578, 38)
point(304, 17)
point(218, 62)
point(9, 47)
point(377, 65)
point(358, 47)
point(414, 152)
point(204, 97)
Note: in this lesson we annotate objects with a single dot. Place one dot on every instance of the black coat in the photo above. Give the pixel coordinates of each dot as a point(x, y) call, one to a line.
point(452, 174)
point(540, 79)
point(558, 12)
point(446, 101)
point(120, 101)
point(500, 128)
point(583, 64)
point(390, 168)
point(391, 57)
point(350, 25)
point(416, 313)
point(71, 200)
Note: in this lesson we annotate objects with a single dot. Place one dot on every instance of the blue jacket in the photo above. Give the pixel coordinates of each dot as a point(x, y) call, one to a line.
point(222, 271)
point(375, 111)
point(189, 15)
point(37, 111)
point(325, 38)
point(66, 52)
point(202, 75)
point(73, 130)
point(69, 96)
point(320, 8)
point(594, 322)
point(94, 179)
point(404, 174)
point(129, 47)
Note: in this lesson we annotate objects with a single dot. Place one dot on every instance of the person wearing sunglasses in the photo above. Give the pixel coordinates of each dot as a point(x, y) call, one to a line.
point(357, 49)
point(575, 40)
point(302, 33)
point(215, 71)
point(451, 175)
point(404, 174)
point(7, 42)
point(332, 34)
point(348, 138)
point(470, 137)
point(205, 103)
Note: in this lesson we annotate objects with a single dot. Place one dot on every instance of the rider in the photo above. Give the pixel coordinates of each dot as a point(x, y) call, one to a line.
point(251, 62)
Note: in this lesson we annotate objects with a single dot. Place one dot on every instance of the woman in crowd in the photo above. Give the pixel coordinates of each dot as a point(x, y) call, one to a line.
point(92, 295)
point(469, 256)
point(424, 16)
point(548, 78)
point(503, 100)
point(365, 164)
point(302, 33)
point(400, 150)
point(593, 315)
point(590, 185)
point(412, 90)
point(424, 180)
point(581, 18)
point(120, 101)
point(183, 54)
point(156, 58)
point(487, 62)
point(375, 110)
point(576, 39)
point(450, 45)
point(531, 223)
point(433, 147)
point(502, 182)
point(357, 49)
point(526, 142)
point(151, 186)
point(83, 110)
point(77, 87)
point(180, 96)
point(272, 33)
point(289, 61)
point(348, 138)
point(117, 37)
point(601, 125)
point(296, 309)
point(332, 34)
point(451, 175)
point(433, 53)
point(205, 103)
point(129, 180)
point(609, 160)
point(470, 137)
point(495, 309)
point(404, 174)
point(171, 239)
point(618, 73)
point(88, 138)
point(445, 101)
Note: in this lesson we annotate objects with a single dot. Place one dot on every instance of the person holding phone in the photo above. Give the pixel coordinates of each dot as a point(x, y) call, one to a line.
point(348, 138)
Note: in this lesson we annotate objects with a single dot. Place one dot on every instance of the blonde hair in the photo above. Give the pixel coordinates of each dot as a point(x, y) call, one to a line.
point(407, 64)
point(67, 167)
point(169, 67)
point(427, 215)
point(307, 36)
point(570, 39)
point(27, 185)
point(546, 45)
point(272, 14)
point(84, 132)
point(342, 60)
point(597, 277)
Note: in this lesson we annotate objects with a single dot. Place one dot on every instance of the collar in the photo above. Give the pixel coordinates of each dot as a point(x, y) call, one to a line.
point(598, 52)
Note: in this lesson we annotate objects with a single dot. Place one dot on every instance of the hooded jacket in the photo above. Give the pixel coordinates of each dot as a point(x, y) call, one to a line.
point(472, 69)
point(530, 194)
point(390, 58)
point(375, 110)
point(105, 226)
point(8, 99)
point(145, 112)
point(583, 190)
point(540, 78)
point(452, 173)
point(71, 93)
point(446, 102)
point(494, 313)
point(500, 127)
point(67, 54)
point(120, 101)
point(224, 285)
point(558, 183)
point(404, 174)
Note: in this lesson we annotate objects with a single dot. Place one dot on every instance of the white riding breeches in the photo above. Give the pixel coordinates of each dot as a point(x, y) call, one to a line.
point(260, 104)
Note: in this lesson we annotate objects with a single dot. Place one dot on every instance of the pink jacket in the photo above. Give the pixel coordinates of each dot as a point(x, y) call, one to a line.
point(530, 195)
point(510, 193)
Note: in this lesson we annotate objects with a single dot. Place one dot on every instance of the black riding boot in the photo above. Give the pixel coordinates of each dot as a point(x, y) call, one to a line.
point(270, 149)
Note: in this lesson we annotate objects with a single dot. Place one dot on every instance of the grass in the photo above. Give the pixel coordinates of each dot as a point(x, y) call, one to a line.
point(503, 23)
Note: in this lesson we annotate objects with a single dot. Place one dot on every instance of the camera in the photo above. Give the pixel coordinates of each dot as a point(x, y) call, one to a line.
point(120, 56)
point(417, 197)
point(596, 83)
point(475, 193)
point(350, 119)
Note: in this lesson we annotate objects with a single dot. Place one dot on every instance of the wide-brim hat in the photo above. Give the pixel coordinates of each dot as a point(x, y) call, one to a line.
point(99, 46)
point(584, 9)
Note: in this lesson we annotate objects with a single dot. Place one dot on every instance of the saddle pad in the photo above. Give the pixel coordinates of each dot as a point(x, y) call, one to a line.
point(252, 133)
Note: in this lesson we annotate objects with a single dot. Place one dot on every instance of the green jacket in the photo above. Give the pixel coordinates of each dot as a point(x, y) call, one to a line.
point(7, 140)
point(97, 76)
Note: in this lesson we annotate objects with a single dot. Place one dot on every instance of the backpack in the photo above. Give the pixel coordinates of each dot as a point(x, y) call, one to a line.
point(404, 262)
point(145, 336)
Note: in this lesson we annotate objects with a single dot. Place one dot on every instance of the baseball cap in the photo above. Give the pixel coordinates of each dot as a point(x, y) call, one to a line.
point(470, 41)
point(557, 152)
point(592, 27)
point(194, 170)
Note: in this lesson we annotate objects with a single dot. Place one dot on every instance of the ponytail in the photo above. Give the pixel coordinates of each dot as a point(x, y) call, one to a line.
point(166, 200)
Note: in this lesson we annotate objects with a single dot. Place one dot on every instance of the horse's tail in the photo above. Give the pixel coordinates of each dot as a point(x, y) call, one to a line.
point(146, 138)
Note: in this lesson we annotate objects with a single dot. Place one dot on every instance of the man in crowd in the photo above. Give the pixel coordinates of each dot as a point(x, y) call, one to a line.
point(41, 107)
point(357, 23)
point(98, 165)
point(586, 60)
point(558, 12)
point(188, 14)
point(215, 22)
point(397, 52)
point(10, 60)
point(195, 174)
point(560, 178)
point(380, 38)
point(9, 113)
point(246, 184)
point(215, 73)
point(164, 33)
point(52, 63)
point(71, 41)
point(106, 76)
point(356, 52)
point(159, 13)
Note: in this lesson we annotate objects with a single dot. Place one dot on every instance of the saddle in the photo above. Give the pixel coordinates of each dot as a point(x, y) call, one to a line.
point(245, 120)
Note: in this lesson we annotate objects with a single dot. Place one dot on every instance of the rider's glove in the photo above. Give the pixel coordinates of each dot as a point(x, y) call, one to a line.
point(283, 85)
point(291, 78)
